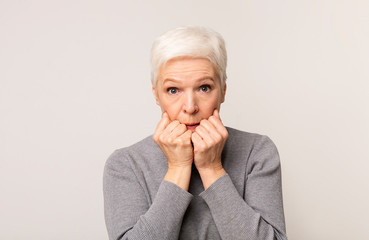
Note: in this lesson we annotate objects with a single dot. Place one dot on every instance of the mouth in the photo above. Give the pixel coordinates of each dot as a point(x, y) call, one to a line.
point(192, 126)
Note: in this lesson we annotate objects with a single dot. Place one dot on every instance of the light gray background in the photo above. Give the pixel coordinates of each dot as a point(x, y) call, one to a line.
point(75, 85)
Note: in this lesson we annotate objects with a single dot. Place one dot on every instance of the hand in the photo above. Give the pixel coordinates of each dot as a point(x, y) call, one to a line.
point(208, 141)
point(174, 140)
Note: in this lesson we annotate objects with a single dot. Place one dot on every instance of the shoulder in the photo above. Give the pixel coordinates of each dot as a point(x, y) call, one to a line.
point(140, 150)
point(260, 149)
point(243, 138)
point(235, 134)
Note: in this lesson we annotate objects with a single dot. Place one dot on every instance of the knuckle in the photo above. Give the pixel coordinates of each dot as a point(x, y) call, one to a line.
point(178, 141)
point(225, 134)
point(161, 138)
point(170, 140)
point(203, 147)
point(218, 138)
point(183, 142)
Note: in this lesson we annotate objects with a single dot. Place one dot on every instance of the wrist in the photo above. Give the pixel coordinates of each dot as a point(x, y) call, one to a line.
point(179, 175)
point(210, 175)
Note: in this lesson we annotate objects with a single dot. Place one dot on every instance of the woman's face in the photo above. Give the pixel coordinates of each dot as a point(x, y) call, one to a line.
point(188, 90)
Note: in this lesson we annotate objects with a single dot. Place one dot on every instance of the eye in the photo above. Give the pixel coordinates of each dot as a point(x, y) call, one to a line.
point(205, 88)
point(172, 90)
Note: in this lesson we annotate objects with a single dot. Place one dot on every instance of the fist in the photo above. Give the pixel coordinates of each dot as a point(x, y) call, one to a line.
point(174, 140)
point(208, 142)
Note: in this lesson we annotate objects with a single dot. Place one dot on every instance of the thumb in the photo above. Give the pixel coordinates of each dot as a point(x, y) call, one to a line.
point(164, 115)
point(216, 114)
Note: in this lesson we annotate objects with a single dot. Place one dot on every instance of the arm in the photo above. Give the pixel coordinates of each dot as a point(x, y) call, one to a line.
point(260, 214)
point(128, 214)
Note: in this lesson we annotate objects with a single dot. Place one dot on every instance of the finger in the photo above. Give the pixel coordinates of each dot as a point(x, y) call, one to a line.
point(215, 117)
point(212, 131)
point(217, 123)
point(170, 127)
point(186, 136)
point(163, 123)
point(208, 125)
point(216, 114)
point(178, 130)
point(205, 135)
point(197, 141)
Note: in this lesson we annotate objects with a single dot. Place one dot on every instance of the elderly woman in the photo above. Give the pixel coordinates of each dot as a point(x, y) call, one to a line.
point(194, 178)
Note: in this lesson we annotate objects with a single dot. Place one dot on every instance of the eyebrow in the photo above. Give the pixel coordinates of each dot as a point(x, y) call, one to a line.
point(179, 81)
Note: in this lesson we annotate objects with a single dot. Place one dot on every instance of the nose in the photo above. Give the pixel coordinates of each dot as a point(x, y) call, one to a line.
point(190, 103)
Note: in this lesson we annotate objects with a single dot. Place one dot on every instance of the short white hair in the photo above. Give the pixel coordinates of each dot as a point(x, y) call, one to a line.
point(189, 41)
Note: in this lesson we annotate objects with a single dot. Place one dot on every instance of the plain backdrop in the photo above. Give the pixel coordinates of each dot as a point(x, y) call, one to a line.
point(75, 85)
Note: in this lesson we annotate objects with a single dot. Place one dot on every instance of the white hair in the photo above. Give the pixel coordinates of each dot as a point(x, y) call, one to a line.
point(190, 41)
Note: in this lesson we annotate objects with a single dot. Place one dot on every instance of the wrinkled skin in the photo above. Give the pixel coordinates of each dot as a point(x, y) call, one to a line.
point(190, 131)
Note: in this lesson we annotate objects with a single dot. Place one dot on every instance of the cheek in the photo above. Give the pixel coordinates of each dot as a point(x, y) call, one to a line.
point(172, 108)
point(207, 107)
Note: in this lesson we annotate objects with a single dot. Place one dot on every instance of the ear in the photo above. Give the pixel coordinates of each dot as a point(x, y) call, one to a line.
point(224, 93)
point(155, 95)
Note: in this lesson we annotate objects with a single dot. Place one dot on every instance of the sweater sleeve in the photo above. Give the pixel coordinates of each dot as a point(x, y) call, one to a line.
point(128, 214)
point(259, 215)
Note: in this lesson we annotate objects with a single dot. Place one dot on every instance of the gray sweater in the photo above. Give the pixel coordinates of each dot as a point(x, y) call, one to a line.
point(246, 203)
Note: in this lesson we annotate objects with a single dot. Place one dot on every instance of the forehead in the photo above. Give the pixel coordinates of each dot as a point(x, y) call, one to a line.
point(186, 68)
